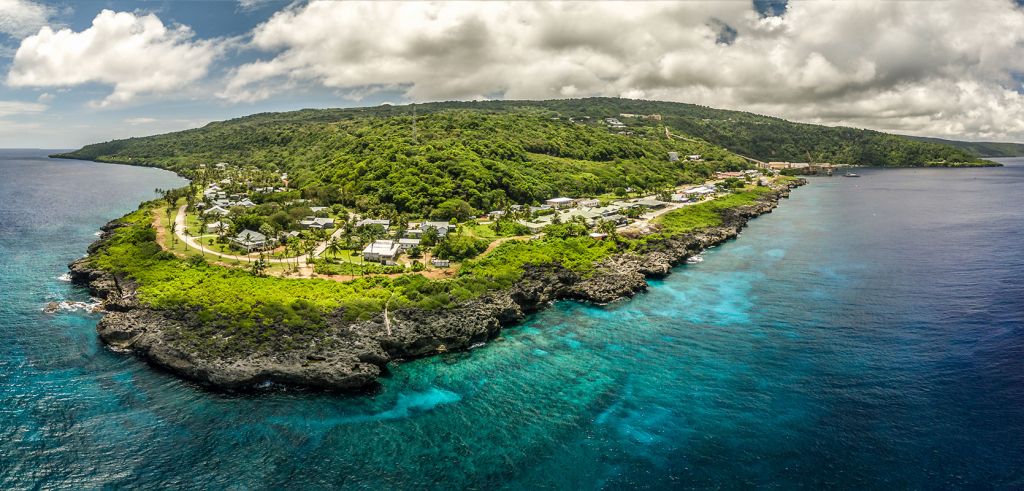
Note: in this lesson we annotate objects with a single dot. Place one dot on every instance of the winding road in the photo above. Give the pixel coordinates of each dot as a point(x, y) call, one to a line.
point(179, 230)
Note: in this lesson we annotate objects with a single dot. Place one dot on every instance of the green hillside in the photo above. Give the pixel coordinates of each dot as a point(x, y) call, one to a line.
point(491, 153)
point(980, 149)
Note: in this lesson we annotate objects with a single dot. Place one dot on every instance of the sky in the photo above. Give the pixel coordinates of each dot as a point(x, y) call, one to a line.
point(77, 72)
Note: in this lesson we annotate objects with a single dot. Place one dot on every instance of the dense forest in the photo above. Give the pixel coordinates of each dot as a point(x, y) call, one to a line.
point(488, 154)
point(981, 149)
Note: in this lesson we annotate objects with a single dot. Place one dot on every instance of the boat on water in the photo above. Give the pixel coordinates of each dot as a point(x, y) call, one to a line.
point(851, 174)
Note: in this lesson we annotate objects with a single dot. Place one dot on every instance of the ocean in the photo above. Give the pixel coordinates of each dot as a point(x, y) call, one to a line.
point(868, 334)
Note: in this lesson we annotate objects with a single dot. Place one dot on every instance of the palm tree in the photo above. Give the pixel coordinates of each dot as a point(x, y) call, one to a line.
point(203, 220)
point(400, 224)
point(333, 247)
point(174, 236)
point(310, 248)
point(248, 238)
point(185, 233)
point(609, 227)
point(348, 228)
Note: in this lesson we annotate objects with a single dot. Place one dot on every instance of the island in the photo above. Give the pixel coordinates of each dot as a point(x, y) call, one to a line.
point(314, 248)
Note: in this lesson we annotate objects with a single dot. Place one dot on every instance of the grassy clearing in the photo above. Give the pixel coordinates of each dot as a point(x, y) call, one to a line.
point(706, 214)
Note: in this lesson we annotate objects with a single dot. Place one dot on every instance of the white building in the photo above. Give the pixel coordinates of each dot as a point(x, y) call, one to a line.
point(216, 210)
point(382, 251)
point(366, 222)
point(406, 244)
point(560, 202)
point(216, 227)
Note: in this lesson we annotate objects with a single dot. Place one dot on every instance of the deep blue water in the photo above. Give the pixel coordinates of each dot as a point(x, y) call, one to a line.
point(868, 334)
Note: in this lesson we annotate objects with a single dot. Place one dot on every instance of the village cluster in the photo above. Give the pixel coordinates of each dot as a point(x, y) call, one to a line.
point(289, 225)
point(220, 217)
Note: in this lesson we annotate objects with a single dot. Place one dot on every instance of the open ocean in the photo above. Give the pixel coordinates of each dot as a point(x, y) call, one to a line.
point(868, 334)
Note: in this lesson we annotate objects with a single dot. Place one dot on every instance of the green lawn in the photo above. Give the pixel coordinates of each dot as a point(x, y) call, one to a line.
point(478, 230)
point(707, 213)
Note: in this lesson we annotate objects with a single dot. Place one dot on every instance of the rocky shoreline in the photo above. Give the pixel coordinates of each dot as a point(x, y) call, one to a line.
point(353, 354)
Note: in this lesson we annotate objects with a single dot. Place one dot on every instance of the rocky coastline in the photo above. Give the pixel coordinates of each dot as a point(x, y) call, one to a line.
point(354, 354)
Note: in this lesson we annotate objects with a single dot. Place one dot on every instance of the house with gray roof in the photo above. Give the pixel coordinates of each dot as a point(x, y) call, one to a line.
point(649, 203)
point(251, 240)
point(406, 244)
point(216, 210)
point(312, 222)
point(417, 230)
point(442, 227)
point(366, 222)
point(217, 227)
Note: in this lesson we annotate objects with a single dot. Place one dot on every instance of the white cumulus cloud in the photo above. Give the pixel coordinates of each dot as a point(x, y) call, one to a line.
point(135, 54)
point(920, 67)
point(19, 18)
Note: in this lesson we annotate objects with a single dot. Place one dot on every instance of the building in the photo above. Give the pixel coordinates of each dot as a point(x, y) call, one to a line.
point(440, 263)
point(614, 123)
point(216, 210)
point(216, 227)
point(250, 240)
point(382, 251)
point(699, 191)
point(560, 202)
point(694, 158)
point(536, 227)
point(616, 219)
point(654, 117)
point(318, 209)
point(442, 229)
point(589, 202)
point(649, 203)
point(406, 244)
point(726, 175)
point(787, 165)
point(366, 222)
point(311, 222)
point(673, 156)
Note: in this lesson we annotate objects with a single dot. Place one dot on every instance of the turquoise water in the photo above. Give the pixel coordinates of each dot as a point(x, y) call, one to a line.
point(868, 334)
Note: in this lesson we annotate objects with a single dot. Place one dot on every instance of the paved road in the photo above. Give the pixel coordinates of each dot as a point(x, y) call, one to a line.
point(179, 230)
